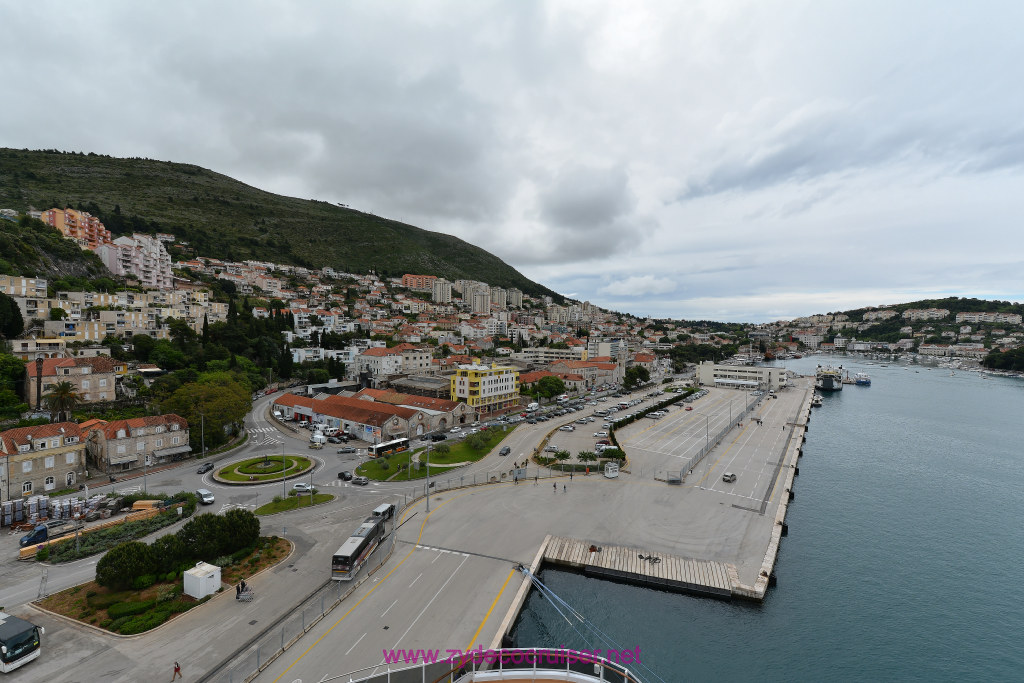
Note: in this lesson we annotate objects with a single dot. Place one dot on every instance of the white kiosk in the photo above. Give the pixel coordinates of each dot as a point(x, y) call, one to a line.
point(202, 580)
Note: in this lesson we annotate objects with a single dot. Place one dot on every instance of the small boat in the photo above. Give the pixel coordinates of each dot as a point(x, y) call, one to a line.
point(816, 401)
point(862, 379)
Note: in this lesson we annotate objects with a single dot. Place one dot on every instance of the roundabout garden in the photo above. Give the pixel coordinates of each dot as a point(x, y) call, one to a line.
point(263, 469)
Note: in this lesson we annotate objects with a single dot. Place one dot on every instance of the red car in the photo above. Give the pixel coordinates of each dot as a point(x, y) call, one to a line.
point(689, 407)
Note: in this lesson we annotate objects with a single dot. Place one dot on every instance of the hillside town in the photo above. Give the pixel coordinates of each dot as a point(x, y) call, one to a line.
point(406, 355)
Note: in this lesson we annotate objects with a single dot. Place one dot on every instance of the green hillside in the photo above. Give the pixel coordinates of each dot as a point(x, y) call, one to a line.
point(31, 248)
point(223, 218)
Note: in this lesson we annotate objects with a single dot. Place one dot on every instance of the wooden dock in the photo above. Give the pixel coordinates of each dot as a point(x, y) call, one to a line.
point(705, 577)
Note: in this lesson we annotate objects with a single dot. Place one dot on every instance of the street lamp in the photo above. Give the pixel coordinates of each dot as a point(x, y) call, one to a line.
point(707, 441)
point(428, 477)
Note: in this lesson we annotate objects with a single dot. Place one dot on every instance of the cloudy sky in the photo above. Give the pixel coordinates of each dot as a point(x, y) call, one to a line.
point(742, 161)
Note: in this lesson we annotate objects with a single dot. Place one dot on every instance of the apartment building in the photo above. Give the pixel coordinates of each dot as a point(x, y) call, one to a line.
point(441, 291)
point(419, 283)
point(140, 256)
point(123, 445)
point(486, 389)
point(914, 314)
point(14, 285)
point(988, 317)
point(80, 226)
point(41, 458)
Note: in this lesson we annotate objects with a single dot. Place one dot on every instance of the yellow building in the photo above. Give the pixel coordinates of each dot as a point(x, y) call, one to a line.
point(486, 389)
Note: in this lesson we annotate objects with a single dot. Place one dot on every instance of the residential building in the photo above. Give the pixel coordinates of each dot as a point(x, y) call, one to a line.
point(988, 317)
point(741, 376)
point(139, 256)
point(92, 378)
point(41, 458)
point(419, 283)
point(441, 291)
point(486, 389)
point(123, 445)
point(15, 285)
point(79, 226)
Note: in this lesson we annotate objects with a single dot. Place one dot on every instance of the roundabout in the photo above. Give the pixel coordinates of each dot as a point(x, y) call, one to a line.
point(263, 469)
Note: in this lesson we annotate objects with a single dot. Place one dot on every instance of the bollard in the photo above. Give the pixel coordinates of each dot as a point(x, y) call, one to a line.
point(258, 657)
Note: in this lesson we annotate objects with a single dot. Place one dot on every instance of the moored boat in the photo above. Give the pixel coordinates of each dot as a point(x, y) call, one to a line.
point(862, 379)
point(829, 378)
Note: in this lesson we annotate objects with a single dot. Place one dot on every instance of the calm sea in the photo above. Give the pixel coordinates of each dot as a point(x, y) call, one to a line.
point(903, 561)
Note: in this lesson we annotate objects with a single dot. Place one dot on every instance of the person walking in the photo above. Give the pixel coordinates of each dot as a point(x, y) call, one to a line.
point(554, 487)
point(564, 488)
point(570, 475)
point(535, 478)
point(177, 671)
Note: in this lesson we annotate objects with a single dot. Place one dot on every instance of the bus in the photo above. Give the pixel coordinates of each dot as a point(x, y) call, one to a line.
point(19, 642)
point(352, 554)
point(388, 447)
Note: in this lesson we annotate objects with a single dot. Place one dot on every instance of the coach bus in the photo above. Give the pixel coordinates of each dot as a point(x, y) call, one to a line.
point(353, 553)
point(19, 642)
point(388, 447)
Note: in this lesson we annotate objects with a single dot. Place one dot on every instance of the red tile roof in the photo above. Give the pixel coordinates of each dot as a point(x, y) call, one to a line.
point(12, 438)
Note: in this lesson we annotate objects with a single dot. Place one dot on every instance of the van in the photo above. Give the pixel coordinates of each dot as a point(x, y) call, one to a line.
point(385, 511)
point(329, 431)
point(533, 406)
point(317, 437)
point(205, 497)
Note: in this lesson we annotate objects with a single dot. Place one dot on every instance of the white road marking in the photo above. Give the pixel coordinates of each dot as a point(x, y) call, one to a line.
point(415, 580)
point(354, 644)
point(389, 608)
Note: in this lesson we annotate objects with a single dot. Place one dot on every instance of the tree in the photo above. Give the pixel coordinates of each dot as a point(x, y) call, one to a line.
point(561, 455)
point(220, 396)
point(169, 552)
point(62, 400)
point(477, 441)
point(586, 456)
point(243, 528)
point(550, 386)
point(205, 537)
point(123, 563)
point(58, 314)
point(11, 322)
point(635, 376)
point(442, 449)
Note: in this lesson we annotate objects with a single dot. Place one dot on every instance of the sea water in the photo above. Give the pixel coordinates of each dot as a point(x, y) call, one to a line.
point(903, 559)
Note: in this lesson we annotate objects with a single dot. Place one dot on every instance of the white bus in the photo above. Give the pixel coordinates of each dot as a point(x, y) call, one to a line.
point(19, 642)
point(348, 559)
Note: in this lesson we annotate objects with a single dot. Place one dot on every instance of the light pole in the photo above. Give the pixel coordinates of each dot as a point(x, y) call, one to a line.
point(202, 432)
point(428, 478)
point(707, 441)
point(145, 471)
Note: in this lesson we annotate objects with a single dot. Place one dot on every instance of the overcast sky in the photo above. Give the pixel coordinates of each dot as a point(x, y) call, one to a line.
point(740, 161)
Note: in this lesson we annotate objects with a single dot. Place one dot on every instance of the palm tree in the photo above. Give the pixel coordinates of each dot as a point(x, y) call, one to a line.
point(62, 400)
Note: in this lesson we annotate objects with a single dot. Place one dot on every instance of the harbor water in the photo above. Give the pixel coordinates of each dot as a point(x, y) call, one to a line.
point(905, 539)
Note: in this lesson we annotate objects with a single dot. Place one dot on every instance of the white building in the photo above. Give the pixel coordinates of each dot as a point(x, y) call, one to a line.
point(140, 256)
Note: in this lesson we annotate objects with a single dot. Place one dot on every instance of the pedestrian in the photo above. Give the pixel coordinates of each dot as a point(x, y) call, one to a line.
point(570, 475)
point(564, 488)
point(535, 478)
point(238, 591)
point(516, 481)
point(177, 671)
point(554, 487)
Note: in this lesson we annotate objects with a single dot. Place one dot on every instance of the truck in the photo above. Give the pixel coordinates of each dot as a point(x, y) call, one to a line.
point(48, 530)
point(532, 407)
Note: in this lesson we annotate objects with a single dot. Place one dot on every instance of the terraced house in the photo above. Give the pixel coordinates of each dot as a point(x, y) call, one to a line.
point(40, 459)
point(93, 378)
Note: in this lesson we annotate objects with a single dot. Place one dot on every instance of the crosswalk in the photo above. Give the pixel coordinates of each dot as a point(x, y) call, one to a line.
point(340, 483)
point(262, 430)
point(231, 506)
point(127, 490)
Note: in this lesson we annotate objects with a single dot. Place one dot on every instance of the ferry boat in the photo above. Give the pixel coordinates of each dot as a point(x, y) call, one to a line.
point(829, 378)
point(861, 379)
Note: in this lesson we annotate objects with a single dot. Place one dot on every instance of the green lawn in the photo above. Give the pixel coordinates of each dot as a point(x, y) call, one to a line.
point(250, 470)
point(293, 503)
point(459, 452)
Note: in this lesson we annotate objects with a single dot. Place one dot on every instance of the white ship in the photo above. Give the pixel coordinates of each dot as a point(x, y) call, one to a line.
point(829, 378)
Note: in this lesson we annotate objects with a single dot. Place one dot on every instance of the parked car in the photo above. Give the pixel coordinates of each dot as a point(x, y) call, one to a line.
point(551, 449)
point(601, 433)
point(334, 439)
point(438, 437)
point(300, 487)
point(345, 474)
point(728, 477)
point(360, 481)
point(689, 407)
point(204, 468)
point(456, 430)
point(346, 449)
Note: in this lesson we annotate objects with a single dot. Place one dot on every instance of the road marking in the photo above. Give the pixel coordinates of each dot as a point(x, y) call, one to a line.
point(491, 609)
point(415, 580)
point(389, 608)
point(354, 644)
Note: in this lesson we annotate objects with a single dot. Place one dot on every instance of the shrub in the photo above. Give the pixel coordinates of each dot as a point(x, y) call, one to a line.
point(116, 624)
point(103, 601)
point(143, 582)
point(205, 537)
point(43, 554)
point(127, 609)
point(144, 622)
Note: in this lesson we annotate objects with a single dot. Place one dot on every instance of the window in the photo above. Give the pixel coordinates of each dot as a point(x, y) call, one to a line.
point(141, 446)
point(120, 450)
point(174, 427)
point(26, 466)
point(49, 483)
point(120, 433)
point(159, 443)
point(103, 397)
point(69, 458)
point(70, 479)
point(26, 487)
point(103, 382)
point(48, 462)
point(85, 384)
point(175, 440)
point(55, 443)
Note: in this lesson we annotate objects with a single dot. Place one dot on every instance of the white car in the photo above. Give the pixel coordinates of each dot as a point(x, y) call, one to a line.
point(456, 430)
point(606, 425)
point(299, 487)
point(566, 428)
point(600, 434)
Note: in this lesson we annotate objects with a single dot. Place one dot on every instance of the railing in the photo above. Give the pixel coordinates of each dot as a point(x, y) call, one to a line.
point(500, 665)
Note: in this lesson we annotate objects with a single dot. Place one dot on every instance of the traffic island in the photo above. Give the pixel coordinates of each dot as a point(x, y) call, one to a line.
point(263, 469)
point(293, 502)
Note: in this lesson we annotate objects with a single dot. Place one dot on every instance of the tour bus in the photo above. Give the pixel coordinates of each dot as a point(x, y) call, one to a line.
point(348, 559)
point(388, 447)
point(19, 642)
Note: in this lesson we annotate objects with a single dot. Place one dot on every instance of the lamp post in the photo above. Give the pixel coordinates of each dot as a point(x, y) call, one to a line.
point(707, 441)
point(428, 477)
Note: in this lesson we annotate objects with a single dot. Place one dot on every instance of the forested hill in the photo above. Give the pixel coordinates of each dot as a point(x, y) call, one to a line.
point(223, 218)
